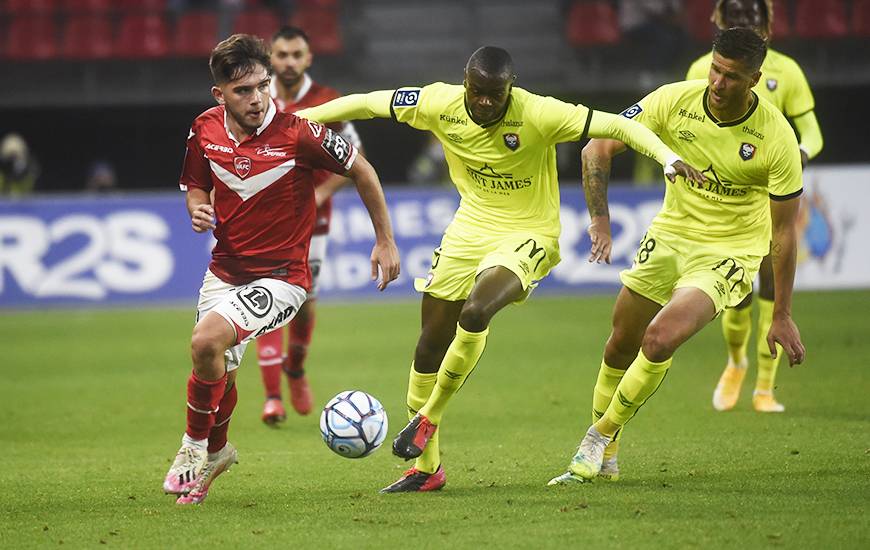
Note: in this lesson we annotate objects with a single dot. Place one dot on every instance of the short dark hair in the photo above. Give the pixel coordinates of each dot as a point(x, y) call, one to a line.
point(743, 45)
point(289, 32)
point(237, 57)
point(491, 60)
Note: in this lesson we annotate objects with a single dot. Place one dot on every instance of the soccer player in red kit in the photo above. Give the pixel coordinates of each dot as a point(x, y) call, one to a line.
point(292, 89)
point(259, 165)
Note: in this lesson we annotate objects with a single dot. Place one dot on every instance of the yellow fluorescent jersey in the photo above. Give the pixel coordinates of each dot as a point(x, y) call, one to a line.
point(782, 82)
point(505, 172)
point(746, 162)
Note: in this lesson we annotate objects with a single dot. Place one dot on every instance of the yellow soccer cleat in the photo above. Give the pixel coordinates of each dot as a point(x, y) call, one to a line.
point(728, 389)
point(763, 401)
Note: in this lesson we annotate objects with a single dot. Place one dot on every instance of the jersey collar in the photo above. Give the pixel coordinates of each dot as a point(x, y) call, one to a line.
point(507, 107)
point(270, 114)
point(740, 120)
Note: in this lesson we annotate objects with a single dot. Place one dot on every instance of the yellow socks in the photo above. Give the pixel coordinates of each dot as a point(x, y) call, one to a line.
point(605, 387)
point(419, 389)
point(641, 380)
point(736, 325)
point(459, 361)
point(766, 364)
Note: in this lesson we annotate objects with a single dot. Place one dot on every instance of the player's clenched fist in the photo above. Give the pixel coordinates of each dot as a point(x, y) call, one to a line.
point(202, 218)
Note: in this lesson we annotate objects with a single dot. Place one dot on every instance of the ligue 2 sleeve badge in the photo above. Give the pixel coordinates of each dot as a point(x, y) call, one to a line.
point(512, 141)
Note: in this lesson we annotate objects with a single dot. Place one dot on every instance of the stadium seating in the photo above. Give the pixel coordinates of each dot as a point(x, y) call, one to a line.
point(861, 18)
point(698, 20)
point(262, 23)
point(195, 34)
point(29, 6)
point(31, 37)
point(781, 21)
point(820, 19)
point(86, 6)
point(142, 36)
point(592, 24)
point(87, 37)
point(322, 27)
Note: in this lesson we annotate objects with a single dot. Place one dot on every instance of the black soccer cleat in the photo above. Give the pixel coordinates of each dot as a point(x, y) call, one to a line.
point(413, 438)
point(415, 481)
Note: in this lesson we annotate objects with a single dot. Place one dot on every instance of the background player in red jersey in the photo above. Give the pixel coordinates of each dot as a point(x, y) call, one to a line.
point(259, 166)
point(292, 89)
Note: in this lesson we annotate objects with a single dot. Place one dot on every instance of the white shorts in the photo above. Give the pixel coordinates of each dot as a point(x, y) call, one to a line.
point(252, 309)
point(316, 256)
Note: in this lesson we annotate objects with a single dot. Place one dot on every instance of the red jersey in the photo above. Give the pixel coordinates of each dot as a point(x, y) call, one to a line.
point(312, 94)
point(263, 191)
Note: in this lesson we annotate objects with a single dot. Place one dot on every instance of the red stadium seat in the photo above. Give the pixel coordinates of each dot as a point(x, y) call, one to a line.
point(698, 13)
point(592, 24)
point(87, 37)
point(29, 6)
point(781, 22)
point(142, 36)
point(87, 6)
point(322, 27)
point(262, 23)
point(31, 37)
point(861, 18)
point(820, 19)
point(195, 34)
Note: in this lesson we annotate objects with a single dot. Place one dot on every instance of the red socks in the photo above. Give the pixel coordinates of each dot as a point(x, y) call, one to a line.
point(269, 352)
point(203, 400)
point(217, 437)
point(301, 329)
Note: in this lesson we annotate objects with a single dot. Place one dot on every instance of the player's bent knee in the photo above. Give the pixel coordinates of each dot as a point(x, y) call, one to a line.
point(205, 348)
point(474, 317)
point(657, 344)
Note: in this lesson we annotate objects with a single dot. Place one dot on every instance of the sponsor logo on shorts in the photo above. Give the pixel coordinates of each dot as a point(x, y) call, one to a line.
point(407, 97)
point(281, 317)
point(747, 151)
point(534, 250)
point(632, 111)
point(242, 165)
point(512, 141)
point(256, 299)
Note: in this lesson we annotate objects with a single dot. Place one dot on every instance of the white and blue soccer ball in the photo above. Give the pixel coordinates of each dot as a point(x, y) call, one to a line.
point(353, 424)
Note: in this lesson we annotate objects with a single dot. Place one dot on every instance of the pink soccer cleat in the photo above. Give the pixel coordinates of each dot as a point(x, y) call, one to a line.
point(183, 473)
point(273, 411)
point(217, 464)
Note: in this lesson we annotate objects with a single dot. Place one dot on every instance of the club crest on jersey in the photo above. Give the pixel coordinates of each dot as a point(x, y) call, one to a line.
point(771, 84)
point(632, 111)
point(242, 165)
point(512, 141)
point(747, 151)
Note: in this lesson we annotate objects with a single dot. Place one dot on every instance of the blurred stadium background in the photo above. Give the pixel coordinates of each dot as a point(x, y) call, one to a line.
point(101, 94)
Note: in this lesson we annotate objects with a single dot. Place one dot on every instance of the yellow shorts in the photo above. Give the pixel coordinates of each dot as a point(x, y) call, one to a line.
point(665, 262)
point(530, 257)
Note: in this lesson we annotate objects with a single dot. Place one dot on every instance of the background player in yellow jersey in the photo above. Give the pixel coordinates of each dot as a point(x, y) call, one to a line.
point(783, 84)
point(704, 247)
point(499, 142)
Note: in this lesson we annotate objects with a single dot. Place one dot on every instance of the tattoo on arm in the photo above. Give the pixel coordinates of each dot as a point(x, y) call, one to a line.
point(596, 174)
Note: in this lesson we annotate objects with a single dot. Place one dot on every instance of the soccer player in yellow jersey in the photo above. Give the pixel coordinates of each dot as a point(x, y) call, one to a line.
point(783, 84)
point(703, 249)
point(499, 142)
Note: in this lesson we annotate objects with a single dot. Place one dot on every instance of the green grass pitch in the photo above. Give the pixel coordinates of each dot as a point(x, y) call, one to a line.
point(92, 409)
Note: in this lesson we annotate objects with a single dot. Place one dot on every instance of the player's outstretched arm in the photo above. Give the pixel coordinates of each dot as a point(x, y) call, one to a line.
point(200, 209)
point(596, 159)
point(644, 141)
point(784, 252)
point(385, 255)
point(811, 136)
point(351, 107)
